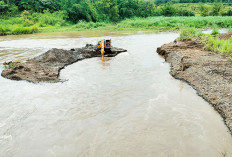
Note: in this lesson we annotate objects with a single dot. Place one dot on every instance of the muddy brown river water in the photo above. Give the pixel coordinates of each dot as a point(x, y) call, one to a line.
point(127, 106)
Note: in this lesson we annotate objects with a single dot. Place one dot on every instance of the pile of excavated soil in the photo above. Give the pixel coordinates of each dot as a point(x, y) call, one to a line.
point(46, 67)
point(209, 73)
point(225, 36)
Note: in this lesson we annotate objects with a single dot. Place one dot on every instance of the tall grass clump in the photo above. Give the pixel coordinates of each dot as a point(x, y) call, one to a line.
point(19, 29)
point(29, 22)
point(215, 30)
point(230, 29)
point(2, 30)
point(189, 33)
point(222, 46)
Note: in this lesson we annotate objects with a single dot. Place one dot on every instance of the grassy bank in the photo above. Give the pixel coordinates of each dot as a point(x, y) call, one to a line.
point(173, 23)
point(212, 41)
point(28, 23)
point(151, 23)
point(54, 22)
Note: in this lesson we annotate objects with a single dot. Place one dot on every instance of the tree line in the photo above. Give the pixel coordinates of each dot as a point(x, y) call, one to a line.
point(192, 1)
point(99, 10)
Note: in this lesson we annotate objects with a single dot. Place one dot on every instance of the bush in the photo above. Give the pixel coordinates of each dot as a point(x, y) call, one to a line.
point(168, 10)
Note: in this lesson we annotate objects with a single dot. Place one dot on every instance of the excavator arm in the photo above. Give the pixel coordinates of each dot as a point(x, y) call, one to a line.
point(102, 49)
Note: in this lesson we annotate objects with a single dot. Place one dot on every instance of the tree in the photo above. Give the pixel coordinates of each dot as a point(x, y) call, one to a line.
point(107, 10)
point(79, 10)
point(146, 8)
point(216, 9)
point(127, 8)
point(168, 10)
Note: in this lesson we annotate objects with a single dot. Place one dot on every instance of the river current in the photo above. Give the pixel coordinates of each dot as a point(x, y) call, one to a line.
point(127, 106)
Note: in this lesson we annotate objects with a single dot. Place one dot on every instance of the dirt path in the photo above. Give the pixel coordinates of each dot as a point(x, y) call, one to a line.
point(209, 73)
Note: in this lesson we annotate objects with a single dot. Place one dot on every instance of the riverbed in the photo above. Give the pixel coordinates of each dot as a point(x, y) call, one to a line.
point(127, 106)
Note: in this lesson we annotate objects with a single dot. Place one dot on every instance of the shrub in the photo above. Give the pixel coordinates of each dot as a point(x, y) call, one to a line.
point(168, 10)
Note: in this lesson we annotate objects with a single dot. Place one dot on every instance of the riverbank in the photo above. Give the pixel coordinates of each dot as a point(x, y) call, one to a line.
point(26, 25)
point(207, 72)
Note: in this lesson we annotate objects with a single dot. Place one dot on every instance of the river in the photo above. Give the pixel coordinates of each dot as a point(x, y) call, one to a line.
point(127, 106)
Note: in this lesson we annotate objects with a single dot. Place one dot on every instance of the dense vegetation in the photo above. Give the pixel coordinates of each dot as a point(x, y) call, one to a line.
point(29, 16)
point(113, 10)
point(51, 22)
point(192, 1)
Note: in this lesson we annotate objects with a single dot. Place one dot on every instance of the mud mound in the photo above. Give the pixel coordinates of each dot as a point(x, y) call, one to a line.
point(46, 67)
point(225, 36)
point(209, 73)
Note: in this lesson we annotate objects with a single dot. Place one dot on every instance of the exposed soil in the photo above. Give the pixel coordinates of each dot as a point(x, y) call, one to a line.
point(208, 72)
point(225, 36)
point(46, 67)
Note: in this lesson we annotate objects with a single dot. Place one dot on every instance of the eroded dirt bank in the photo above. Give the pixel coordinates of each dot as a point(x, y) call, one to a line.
point(208, 72)
point(46, 67)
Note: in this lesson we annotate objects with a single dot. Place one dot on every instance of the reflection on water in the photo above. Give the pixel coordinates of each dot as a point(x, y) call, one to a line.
point(209, 31)
point(128, 106)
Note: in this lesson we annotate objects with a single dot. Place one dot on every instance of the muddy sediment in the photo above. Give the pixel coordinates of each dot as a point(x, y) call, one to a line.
point(207, 72)
point(46, 67)
point(225, 36)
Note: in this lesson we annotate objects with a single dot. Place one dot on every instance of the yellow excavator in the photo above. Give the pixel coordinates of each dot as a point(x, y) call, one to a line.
point(104, 46)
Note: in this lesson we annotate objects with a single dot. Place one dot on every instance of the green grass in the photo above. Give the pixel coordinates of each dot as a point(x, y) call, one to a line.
point(18, 29)
point(172, 23)
point(190, 33)
point(212, 42)
point(150, 23)
point(222, 46)
point(28, 23)
point(215, 31)
point(54, 22)
point(11, 65)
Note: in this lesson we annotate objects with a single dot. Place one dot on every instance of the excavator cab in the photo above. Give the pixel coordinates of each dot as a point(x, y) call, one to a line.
point(107, 45)
point(104, 46)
